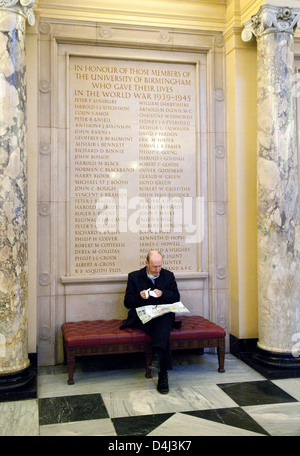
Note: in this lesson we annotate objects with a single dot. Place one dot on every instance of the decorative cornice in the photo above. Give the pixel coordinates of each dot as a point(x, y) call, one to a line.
point(271, 19)
point(24, 7)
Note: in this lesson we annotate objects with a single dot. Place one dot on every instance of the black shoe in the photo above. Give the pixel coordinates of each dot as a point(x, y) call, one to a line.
point(163, 385)
point(155, 363)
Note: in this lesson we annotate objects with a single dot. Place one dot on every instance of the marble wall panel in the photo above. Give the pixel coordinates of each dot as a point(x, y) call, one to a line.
point(68, 31)
point(45, 84)
point(44, 318)
point(107, 301)
point(60, 140)
point(100, 307)
point(44, 176)
point(67, 297)
point(61, 118)
point(44, 247)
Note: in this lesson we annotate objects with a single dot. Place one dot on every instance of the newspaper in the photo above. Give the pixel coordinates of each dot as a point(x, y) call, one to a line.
point(146, 313)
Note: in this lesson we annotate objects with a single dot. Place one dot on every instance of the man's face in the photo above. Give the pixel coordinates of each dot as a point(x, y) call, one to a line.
point(154, 265)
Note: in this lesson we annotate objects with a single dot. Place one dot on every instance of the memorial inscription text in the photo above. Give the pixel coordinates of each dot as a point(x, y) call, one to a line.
point(132, 150)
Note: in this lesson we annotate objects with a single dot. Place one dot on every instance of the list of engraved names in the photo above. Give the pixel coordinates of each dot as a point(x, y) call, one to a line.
point(132, 164)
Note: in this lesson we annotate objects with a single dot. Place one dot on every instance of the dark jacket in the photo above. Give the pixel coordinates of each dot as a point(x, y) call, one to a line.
point(138, 281)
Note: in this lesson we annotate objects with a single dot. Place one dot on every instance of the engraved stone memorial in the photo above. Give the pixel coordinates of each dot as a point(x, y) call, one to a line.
point(132, 165)
point(132, 157)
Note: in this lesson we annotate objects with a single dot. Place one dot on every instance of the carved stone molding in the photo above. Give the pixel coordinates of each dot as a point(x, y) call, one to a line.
point(164, 36)
point(44, 332)
point(271, 19)
point(219, 94)
point(219, 41)
point(221, 272)
point(44, 28)
point(222, 321)
point(44, 279)
point(220, 151)
point(220, 208)
point(44, 209)
point(23, 6)
point(105, 31)
point(45, 86)
point(44, 148)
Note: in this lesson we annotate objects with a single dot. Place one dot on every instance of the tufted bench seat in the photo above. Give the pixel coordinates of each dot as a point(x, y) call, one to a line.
point(102, 337)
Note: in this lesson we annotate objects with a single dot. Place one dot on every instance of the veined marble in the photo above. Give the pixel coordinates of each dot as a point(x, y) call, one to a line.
point(13, 188)
point(277, 179)
point(278, 214)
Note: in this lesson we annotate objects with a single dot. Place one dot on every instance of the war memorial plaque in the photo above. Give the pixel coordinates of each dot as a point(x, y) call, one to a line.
point(133, 165)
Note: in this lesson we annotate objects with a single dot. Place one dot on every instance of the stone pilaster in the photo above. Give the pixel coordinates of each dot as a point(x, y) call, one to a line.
point(277, 184)
point(13, 191)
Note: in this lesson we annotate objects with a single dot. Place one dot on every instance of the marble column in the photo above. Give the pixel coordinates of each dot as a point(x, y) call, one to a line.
point(277, 185)
point(14, 362)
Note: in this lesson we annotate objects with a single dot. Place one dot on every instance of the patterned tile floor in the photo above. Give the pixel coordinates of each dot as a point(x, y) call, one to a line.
point(122, 402)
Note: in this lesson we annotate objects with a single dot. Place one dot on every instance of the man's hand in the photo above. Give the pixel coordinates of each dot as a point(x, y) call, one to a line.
point(144, 294)
point(158, 292)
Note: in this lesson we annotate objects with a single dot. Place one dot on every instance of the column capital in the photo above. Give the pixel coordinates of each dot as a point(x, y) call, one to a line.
point(24, 7)
point(270, 19)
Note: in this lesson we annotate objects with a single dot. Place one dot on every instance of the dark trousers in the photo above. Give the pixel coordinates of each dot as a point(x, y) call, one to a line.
point(159, 330)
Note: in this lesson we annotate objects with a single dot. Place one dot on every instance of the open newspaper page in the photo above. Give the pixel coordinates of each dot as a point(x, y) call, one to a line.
point(146, 313)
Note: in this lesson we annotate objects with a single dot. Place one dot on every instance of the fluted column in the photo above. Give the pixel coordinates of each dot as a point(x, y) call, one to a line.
point(13, 193)
point(277, 185)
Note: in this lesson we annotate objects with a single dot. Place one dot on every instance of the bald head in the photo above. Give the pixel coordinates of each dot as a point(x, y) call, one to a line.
point(154, 254)
point(154, 263)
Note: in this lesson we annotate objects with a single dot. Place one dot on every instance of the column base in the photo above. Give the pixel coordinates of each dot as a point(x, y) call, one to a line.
point(273, 365)
point(269, 364)
point(16, 380)
point(276, 359)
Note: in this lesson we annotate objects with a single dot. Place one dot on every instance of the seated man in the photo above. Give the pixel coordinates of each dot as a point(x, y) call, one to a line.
point(163, 283)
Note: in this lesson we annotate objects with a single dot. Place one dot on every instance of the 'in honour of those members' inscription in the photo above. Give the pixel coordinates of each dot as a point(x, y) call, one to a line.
point(132, 163)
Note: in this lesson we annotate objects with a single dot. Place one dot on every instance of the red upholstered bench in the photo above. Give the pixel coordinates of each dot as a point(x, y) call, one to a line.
point(102, 337)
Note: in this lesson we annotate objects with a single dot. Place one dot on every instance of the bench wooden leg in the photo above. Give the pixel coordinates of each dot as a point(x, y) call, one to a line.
point(71, 367)
point(221, 355)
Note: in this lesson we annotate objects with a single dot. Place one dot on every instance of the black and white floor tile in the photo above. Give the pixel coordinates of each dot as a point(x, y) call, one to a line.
point(122, 402)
